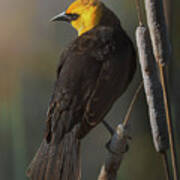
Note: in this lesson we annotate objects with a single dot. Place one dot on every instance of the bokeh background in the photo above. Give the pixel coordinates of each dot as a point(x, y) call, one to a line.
point(29, 53)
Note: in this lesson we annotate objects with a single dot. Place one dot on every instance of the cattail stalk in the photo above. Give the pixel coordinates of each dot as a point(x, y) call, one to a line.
point(161, 48)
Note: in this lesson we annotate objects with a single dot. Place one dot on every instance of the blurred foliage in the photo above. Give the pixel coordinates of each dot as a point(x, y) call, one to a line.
point(29, 51)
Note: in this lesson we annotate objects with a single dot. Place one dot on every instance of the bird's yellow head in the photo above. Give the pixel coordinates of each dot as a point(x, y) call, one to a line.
point(82, 14)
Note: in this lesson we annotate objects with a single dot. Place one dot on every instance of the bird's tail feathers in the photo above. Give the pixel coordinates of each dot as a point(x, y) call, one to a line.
point(57, 161)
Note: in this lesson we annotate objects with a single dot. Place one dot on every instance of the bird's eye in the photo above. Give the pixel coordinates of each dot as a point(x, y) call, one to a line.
point(73, 16)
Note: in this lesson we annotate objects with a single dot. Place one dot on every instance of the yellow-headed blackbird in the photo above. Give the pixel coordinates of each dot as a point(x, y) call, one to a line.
point(93, 72)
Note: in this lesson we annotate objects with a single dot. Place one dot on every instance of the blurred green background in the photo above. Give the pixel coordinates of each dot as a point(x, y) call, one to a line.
point(29, 54)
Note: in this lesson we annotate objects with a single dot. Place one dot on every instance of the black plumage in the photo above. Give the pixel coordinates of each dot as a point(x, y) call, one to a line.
point(93, 72)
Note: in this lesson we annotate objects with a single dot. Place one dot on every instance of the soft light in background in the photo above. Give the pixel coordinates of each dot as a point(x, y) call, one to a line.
point(29, 54)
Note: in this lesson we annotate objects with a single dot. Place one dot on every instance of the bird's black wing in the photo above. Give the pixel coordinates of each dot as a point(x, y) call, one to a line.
point(118, 58)
point(87, 82)
point(54, 101)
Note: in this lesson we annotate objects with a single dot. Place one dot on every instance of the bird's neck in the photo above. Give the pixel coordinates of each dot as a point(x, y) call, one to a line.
point(109, 18)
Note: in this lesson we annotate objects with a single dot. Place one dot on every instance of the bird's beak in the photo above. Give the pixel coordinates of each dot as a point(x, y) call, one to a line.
point(64, 17)
point(60, 17)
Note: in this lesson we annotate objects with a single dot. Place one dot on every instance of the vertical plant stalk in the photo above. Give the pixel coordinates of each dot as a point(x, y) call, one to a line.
point(166, 165)
point(129, 111)
point(167, 6)
point(153, 90)
point(118, 145)
point(154, 94)
point(158, 30)
point(161, 49)
point(169, 124)
point(139, 12)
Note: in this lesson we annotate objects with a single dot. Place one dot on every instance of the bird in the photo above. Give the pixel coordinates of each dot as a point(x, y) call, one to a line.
point(94, 71)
